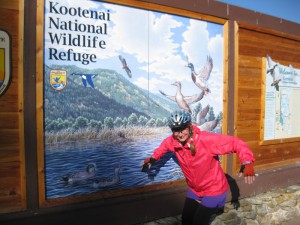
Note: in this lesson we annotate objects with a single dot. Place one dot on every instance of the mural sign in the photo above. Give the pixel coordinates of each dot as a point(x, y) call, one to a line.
point(282, 114)
point(5, 73)
point(112, 75)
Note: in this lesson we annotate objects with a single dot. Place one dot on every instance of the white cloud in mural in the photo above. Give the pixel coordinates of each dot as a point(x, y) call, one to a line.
point(129, 32)
point(148, 37)
point(170, 68)
point(150, 84)
point(143, 31)
point(195, 42)
point(160, 40)
point(215, 48)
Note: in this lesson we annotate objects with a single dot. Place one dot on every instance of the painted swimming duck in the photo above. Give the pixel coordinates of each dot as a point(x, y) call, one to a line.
point(82, 175)
point(183, 101)
point(201, 79)
point(125, 66)
point(108, 181)
point(202, 114)
point(272, 72)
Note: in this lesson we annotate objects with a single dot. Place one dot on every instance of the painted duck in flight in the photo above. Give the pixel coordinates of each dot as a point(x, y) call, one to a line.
point(86, 78)
point(183, 101)
point(200, 80)
point(125, 66)
point(272, 72)
point(201, 115)
point(209, 125)
point(90, 172)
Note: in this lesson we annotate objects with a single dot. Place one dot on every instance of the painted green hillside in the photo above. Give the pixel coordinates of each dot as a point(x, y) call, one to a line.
point(112, 96)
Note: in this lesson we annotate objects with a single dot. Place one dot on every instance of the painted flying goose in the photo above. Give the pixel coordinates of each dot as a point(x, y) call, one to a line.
point(183, 101)
point(201, 79)
point(272, 72)
point(86, 78)
point(201, 115)
point(209, 125)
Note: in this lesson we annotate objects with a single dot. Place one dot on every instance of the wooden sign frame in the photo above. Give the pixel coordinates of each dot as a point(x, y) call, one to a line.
point(43, 201)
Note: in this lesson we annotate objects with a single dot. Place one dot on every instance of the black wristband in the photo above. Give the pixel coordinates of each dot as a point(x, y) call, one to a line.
point(242, 168)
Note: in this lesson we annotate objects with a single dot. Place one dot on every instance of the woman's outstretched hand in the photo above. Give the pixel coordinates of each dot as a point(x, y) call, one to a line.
point(248, 172)
point(148, 162)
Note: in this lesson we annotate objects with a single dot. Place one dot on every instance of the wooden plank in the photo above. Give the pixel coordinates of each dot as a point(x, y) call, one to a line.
point(249, 72)
point(225, 88)
point(264, 50)
point(280, 141)
point(236, 63)
point(11, 176)
point(249, 92)
point(248, 103)
point(271, 165)
point(11, 4)
point(248, 135)
point(269, 44)
point(263, 98)
point(236, 67)
point(264, 154)
point(9, 120)
point(9, 153)
point(11, 203)
point(21, 103)
point(9, 136)
point(249, 81)
point(253, 125)
point(39, 101)
point(249, 37)
point(249, 61)
point(252, 39)
point(248, 113)
point(10, 187)
point(278, 161)
point(8, 102)
point(267, 31)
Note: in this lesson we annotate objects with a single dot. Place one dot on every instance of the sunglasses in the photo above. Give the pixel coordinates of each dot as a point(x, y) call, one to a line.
point(179, 130)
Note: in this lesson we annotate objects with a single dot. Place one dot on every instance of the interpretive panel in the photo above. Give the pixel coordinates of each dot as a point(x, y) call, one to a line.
point(282, 112)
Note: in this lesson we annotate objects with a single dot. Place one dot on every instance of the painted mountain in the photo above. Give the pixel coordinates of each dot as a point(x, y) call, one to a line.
point(112, 95)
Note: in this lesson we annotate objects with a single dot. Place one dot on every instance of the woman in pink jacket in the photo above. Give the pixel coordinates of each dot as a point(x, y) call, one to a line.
point(197, 153)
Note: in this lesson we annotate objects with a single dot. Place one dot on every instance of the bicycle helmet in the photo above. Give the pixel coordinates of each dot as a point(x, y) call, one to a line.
point(179, 119)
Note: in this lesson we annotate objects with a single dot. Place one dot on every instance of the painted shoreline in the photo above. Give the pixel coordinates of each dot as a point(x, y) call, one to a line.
point(113, 136)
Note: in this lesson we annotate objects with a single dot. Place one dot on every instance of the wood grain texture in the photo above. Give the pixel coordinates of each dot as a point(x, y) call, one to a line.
point(253, 46)
point(12, 174)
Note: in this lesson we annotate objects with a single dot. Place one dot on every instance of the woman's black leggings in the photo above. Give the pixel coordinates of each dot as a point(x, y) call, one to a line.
point(194, 213)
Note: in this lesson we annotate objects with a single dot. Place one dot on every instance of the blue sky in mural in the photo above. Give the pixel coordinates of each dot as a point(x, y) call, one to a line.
point(156, 54)
point(287, 9)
